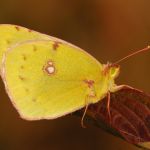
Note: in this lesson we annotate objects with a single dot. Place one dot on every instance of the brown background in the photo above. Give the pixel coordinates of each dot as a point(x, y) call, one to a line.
point(108, 29)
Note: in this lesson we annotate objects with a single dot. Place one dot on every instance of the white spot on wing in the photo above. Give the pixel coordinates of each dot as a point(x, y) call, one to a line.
point(50, 69)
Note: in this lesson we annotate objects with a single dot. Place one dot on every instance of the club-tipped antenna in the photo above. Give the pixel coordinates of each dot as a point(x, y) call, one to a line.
point(132, 54)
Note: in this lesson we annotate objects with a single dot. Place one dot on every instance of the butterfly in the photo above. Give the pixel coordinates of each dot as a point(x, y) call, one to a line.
point(46, 77)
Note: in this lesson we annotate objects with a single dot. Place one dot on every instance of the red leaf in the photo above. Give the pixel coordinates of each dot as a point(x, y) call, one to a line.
point(130, 114)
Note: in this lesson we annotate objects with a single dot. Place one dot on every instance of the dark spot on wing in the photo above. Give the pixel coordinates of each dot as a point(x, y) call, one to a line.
point(34, 99)
point(21, 78)
point(24, 57)
point(56, 45)
point(8, 41)
point(17, 28)
point(89, 83)
point(34, 48)
point(27, 90)
point(22, 67)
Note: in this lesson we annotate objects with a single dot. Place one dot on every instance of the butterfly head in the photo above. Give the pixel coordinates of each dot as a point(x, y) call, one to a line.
point(111, 72)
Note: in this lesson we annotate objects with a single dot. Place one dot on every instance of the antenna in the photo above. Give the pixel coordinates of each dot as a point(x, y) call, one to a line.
point(132, 54)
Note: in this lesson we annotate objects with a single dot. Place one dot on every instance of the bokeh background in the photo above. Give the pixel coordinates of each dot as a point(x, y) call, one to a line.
point(109, 30)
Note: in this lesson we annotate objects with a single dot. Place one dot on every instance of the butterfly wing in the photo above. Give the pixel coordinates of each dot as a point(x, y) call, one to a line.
point(12, 34)
point(48, 79)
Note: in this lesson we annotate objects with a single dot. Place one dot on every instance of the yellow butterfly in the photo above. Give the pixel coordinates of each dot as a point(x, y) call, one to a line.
point(46, 77)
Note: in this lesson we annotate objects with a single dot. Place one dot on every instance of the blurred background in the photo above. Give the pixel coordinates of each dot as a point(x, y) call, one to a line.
point(106, 29)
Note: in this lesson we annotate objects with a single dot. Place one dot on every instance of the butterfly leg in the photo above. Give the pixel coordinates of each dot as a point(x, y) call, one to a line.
point(108, 106)
point(85, 110)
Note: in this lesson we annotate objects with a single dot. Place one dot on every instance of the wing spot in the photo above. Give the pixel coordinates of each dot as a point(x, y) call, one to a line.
point(24, 57)
point(27, 90)
point(90, 84)
point(8, 41)
point(17, 28)
point(22, 67)
point(34, 99)
point(49, 68)
point(50, 63)
point(56, 45)
point(34, 48)
point(21, 78)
